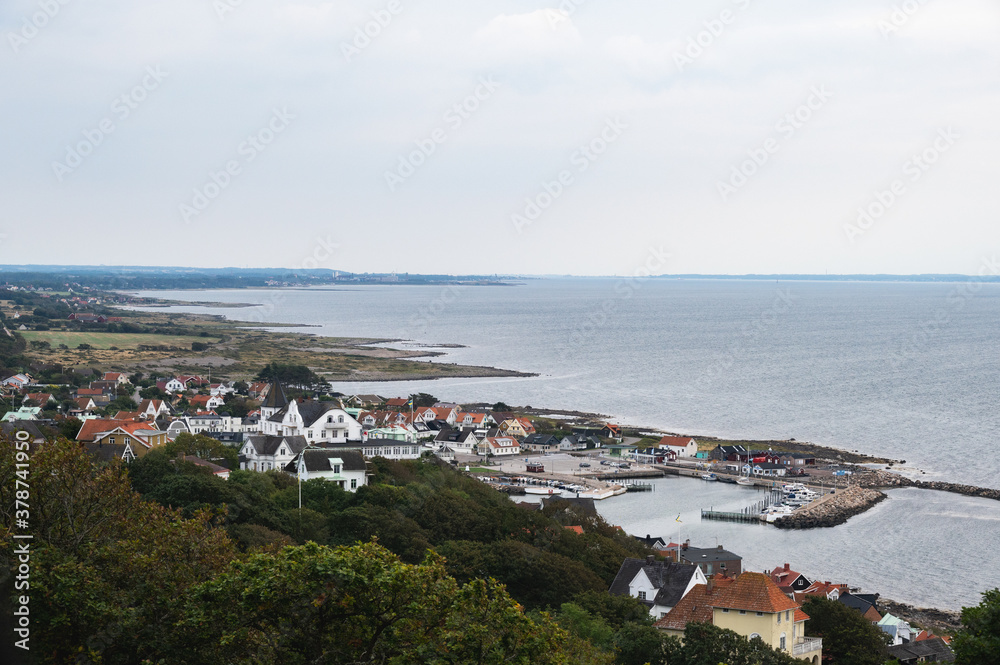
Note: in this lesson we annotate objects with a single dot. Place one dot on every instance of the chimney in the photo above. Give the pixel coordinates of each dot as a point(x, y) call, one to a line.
point(720, 548)
point(686, 544)
point(650, 559)
point(711, 584)
point(787, 567)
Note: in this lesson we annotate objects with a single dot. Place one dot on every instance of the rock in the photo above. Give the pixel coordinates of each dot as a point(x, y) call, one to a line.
point(832, 511)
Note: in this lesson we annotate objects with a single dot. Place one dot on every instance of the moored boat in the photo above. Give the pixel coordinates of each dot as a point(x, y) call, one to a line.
point(709, 476)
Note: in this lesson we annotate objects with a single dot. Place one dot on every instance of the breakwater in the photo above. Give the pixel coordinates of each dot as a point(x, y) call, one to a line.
point(833, 509)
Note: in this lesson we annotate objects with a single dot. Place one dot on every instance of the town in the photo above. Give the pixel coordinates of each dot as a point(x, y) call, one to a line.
point(264, 426)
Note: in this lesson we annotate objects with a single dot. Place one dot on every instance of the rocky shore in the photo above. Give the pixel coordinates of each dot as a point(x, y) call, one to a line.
point(937, 621)
point(833, 509)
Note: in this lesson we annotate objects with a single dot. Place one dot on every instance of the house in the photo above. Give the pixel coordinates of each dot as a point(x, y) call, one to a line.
point(896, 628)
point(728, 454)
point(395, 450)
point(18, 381)
point(397, 403)
point(365, 400)
point(23, 413)
point(219, 389)
point(694, 607)
point(264, 452)
point(753, 606)
point(206, 402)
point(788, 580)
point(139, 437)
point(459, 440)
point(765, 469)
point(394, 432)
point(173, 385)
point(318, 422)
point(477, 421)
point(797, 459)
point(579, 442)
point(658, 584)
point(447, 414)
point(611, 431)
point(652, 455)
point(218, 471)
point(711, 560)
point(824, 590)
point(258, 389)
point(177, 427)
point(84, 406)
point(118, 377)
point(204, 421)
point(10, 430)
point(932, 650)
point(499, 446)
point(516, 427)
point(128, 415)
point(682, 446)
point(41, 399)
point(541, 443)
point(655, 542)
point(154, 408)
point(346, 468)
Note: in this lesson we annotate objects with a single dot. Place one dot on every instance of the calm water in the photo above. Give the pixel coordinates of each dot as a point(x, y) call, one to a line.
point(908, 371)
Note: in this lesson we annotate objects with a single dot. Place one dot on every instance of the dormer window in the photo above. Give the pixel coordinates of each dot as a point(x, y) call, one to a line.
point(340, 419)
point(642, 595)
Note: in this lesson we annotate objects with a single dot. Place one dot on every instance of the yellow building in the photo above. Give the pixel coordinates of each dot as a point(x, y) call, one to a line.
point(751, 605)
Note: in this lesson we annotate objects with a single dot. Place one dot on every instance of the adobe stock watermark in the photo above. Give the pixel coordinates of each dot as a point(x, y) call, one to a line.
point(249, 149)
point(749, 334)
point(323, 251)
point(956, 300)
point(899, 17)
point(624, 289)
point(225, 7)
point(370, 30)
point(418, 323)
point(562, 13)
point(581, 159)
point(714, 29)
point(33, 25)
point(121, 108)
point(913, 169)
point(454, 118)
point(785, 129)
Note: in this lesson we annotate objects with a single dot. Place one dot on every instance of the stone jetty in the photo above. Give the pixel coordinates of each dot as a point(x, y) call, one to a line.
point(832, 509)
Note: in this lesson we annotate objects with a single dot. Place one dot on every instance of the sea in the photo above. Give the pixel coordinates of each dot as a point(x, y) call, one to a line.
point(904, 370)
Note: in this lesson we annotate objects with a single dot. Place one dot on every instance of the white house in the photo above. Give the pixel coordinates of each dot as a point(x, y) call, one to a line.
point(682, 446)
point(347, 468)
point(16, 380)
point(499, 446)
point(172, 385)
point(262, 452)
point(898, 629)
point(318, 422)
point(387, 448)
point(459, 440)
point(659, 584)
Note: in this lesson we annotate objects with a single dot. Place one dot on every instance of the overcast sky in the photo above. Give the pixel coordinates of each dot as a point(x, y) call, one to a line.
point(502, 137)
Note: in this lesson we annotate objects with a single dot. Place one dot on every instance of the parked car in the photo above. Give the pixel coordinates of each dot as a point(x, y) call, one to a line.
point(583, 464)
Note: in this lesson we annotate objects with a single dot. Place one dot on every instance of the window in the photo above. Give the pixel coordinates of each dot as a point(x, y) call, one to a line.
point(782, 644)
point(743, 611)
point(329, 419)
point(753, 635)
point(340, 419)
point(779, 617)
point(708, 569)
point(788, 615)
point(354, 483)
point(336, 468)
point(642, 595)
point(760, 614)
point(725, 610)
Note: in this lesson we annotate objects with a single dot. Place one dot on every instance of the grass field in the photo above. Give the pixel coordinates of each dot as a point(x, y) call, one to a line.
point(102, 340)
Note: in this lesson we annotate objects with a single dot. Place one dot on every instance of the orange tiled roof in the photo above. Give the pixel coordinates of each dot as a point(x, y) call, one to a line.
point(754, 592)
point(696, 606)
point(93, 427)
point(675, 441)
point(800, 615)
point(576, 529)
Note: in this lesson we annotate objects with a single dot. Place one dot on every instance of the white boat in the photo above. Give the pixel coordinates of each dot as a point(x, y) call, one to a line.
point(745, 481)
point(546, 491)
point(709, 476)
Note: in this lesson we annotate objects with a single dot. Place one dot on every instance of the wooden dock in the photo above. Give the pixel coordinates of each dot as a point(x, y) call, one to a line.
point(744, 518)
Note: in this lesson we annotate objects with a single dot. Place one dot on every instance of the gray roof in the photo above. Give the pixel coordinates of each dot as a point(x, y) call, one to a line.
point(541, 440)
point(651, 541)
point(275, 398)
point(913, 652)
point(106, 452)
point(10, 429)
point(454, 435)
point(267, 445)
point(671, 579)
point(708, 555)
point(860, 604)
point(319, 460)
point(310, 410)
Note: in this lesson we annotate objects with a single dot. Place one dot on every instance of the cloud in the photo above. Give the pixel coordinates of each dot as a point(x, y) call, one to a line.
point(516, 38)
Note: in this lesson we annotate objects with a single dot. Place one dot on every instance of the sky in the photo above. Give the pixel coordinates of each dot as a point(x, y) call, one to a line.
point(510, 137)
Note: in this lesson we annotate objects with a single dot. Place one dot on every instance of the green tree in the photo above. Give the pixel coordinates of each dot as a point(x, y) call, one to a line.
point(978, 641)
point(848, 638)
point(501, 406)
point(424, 399)
point(205, 447)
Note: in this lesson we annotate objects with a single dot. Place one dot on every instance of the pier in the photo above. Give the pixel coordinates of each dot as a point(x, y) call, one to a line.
point(744, 517)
